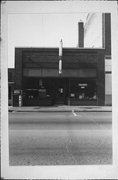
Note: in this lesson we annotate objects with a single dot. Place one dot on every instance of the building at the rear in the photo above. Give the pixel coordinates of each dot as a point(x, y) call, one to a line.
point(97, 33)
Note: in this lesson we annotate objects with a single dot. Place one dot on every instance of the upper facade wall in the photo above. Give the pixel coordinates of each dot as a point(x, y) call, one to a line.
point(45, 58)
point(49, 58)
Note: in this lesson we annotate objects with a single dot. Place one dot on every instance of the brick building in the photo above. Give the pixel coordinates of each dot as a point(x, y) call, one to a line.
point(97, 33)
point(37, 76)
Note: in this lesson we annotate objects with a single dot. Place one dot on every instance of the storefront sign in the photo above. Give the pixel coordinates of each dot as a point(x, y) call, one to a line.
point(60, 56)
point(84, 84)
point(42, 90)
point(60, 48)
point(17, 91)
point(60, 66)
point(20, 101)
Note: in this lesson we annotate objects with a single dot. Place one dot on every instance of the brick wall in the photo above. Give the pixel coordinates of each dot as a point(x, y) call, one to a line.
point(73, 58)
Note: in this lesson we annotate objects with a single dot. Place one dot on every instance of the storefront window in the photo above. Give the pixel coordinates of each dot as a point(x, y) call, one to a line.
point(83, 89)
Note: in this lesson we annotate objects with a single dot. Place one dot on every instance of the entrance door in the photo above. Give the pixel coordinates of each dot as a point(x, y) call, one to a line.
point(30, 97)
point(61, 91)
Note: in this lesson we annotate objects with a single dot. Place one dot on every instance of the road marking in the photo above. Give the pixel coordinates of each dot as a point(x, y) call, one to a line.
point(74, 113)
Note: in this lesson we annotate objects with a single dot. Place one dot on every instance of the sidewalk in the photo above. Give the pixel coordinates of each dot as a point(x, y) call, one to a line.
point(62, 108)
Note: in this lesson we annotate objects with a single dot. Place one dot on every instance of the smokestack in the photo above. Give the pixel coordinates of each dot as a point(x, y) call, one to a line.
point(81, 34)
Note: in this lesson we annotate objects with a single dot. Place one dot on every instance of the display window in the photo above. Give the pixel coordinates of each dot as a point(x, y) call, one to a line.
point(84, 89)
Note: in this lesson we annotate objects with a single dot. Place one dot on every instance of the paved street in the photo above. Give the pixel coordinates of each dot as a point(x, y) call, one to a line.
point(60, 138)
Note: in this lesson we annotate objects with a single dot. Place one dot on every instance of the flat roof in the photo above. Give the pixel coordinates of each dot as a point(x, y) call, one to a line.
point(69, 48)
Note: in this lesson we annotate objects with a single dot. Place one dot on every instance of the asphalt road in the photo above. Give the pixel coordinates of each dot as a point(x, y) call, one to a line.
point(60, 138)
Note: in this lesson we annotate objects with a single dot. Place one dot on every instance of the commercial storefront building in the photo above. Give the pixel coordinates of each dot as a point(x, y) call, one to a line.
point(38, 81)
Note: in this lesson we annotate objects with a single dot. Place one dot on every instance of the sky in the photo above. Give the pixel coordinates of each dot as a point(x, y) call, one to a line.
point(41, 29)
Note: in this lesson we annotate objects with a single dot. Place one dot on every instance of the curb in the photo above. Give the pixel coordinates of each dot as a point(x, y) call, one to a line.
point(60, 111)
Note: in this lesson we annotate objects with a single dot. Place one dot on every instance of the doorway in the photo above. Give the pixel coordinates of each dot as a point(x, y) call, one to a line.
point(58, 89)
point(61, 91)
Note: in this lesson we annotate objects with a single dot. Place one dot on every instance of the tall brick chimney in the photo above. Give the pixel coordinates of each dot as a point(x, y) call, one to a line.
point(81, 34)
